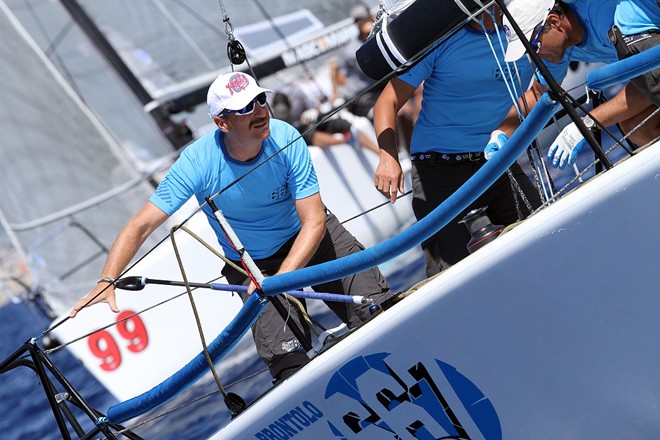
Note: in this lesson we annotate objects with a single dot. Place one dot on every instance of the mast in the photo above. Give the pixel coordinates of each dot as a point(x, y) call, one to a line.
point(177, 133)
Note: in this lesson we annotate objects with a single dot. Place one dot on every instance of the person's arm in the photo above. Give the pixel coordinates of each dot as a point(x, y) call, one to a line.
point(338, 79)
point(389, 176)
point(122, 252)
point(312, 221)
point(501, 134)
point(626, 104)
point(526, 102)
point(629, 107)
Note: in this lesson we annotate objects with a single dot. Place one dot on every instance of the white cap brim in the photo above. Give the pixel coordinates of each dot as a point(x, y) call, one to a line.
point(515, 49)
point(527, 14)
point(243, 99)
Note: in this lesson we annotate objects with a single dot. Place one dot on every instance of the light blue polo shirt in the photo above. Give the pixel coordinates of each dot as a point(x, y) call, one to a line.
point(260, 208)
point(465, 96)
point(636, 16)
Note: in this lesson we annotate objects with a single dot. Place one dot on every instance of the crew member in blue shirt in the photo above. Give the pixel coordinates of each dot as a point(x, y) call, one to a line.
point(462, 103)
point(636, 29)
point(275, 210)
point(580, 31)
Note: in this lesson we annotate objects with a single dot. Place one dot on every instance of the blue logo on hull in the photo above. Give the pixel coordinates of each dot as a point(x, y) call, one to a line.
point(422, 403)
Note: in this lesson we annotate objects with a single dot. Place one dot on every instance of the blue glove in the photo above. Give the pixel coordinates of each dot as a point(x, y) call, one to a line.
point(566, 147)
point(497, 141)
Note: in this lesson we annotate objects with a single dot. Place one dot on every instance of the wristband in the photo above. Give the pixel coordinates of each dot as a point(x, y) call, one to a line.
point(590, 123)
point(106, 280)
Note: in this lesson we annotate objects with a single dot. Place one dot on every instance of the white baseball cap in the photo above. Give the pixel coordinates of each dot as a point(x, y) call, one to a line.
point(527, 14)
point(232, 91)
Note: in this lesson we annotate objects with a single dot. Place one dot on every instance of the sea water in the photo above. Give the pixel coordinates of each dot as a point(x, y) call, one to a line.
point(24, 409)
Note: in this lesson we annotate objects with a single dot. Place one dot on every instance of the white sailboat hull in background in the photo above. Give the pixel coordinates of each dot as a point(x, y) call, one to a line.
point(346, 177)
point(134, 357)
point(551, 331)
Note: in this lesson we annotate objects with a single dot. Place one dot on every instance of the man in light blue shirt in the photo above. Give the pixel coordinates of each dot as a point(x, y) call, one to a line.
point(578, 31)
point(275, 210)
point(636, 29)
point(464, 86)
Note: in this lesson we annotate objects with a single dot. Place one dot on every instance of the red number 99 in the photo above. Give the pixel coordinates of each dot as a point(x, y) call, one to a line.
point(133, 330)
point(104, 347)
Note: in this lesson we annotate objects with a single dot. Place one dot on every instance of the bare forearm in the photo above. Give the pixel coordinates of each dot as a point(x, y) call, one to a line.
point(131, 237)
point(385, 126)
point(311, 213)
point(123, 250)
point(393, 97)
point(526, 102)
point(304, 247)
point(627, 103)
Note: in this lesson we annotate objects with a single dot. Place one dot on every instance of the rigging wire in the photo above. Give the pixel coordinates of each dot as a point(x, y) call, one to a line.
point(198, 321)
point(224, 189)
point(597, 161)
point(303, 63)
point(230, 33)
point(182, 32)
point(542, 173)
point(51, 50)
point(193, 401)
point(196, 237)
point(229, 29)
point(511, 88)
point(235, 50)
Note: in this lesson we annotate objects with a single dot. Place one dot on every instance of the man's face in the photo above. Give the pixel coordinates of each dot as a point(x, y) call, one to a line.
point(253, 126)
point(552, 42)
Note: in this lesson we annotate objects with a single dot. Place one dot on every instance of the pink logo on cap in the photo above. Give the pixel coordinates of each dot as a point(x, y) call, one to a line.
point(237, 83)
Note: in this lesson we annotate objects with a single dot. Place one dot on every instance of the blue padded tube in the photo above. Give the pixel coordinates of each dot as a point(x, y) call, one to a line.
point(195, 369)
point(429, 225)
point(413, 236)
point(624, 70)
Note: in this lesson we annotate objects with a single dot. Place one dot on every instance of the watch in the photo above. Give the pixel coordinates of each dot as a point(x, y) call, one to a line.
point(589, 123)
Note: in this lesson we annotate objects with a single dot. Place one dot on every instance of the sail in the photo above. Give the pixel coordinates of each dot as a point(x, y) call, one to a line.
point(187, 40)
point(71, 182)
point(175, 49)
point(59, 166)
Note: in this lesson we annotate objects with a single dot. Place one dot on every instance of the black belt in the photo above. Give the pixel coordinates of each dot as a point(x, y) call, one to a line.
point(616, 36)
point(432, 157)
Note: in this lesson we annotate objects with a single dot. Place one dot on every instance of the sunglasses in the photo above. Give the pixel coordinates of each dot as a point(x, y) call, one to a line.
point(538, 30)
point(248, 109)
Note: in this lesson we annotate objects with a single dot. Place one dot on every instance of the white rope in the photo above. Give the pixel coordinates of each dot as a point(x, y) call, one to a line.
point(510, 83)
point(514, 99)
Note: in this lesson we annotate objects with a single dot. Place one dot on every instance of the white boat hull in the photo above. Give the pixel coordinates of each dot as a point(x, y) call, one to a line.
point(551, 331)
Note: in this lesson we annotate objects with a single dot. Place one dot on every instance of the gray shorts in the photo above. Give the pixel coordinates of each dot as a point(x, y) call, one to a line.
point(275, 342)
point(648, 83)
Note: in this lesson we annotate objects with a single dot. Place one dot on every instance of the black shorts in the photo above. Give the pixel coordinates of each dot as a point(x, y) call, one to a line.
point(433, 182)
